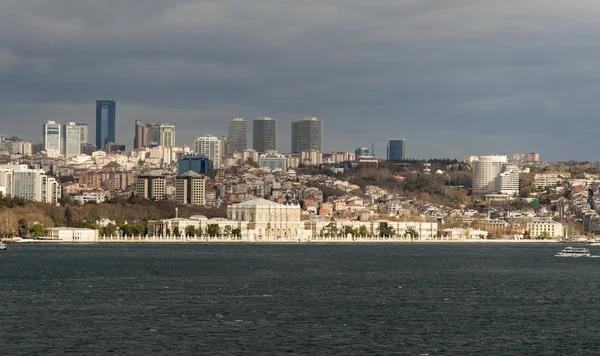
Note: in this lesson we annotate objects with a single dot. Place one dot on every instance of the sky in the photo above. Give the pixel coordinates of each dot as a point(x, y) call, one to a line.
point(452, 77)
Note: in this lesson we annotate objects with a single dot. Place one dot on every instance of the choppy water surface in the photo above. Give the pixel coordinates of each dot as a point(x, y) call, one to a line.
point(317, 299)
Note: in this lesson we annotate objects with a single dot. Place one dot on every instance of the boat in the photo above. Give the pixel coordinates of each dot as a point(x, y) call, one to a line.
point(2, 246)
point(574, 252)
point(593, 243)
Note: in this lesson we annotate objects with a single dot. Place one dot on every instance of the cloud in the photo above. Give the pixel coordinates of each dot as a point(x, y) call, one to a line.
point(448, 76)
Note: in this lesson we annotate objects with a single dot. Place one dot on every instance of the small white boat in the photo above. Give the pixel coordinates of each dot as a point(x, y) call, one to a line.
point(574, 252)
point(593, 243)
point(2, 246)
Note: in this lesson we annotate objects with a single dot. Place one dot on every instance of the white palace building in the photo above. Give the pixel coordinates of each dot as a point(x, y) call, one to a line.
point(264, 220)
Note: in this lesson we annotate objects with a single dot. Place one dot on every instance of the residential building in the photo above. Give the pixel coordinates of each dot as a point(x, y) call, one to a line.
point(90, 196)
point(264, 134)
point(33, 185)
point(544, 228)
point(16, 146)
point(470, 159)
point(209, 146)
point(307, 134)
point(105, 123)
point(272, 160)
point(396, 149)
point(190, 188)
point(151, 186)
point(238, 134)
point(167, 135)
point(88, 148)
point(72, 144)
point(52, 138)
point(195, 163)
point(311, 157)
point(543, 180)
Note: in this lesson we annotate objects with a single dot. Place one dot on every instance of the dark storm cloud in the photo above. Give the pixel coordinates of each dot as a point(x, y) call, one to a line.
point(452, 77)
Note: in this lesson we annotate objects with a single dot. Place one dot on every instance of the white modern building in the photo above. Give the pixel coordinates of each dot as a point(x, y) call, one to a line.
point(210, 146)
point(72, 143)
point(89, 196)
point(68, 234)
point(52, 138)
point(493, 175)
point(273, 160)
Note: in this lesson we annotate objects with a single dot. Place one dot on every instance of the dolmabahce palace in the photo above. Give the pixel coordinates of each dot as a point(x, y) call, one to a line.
point(264, 220)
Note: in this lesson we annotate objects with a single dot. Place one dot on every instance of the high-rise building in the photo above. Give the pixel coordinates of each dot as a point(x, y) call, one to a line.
point(154, 133)
point(84, 132)
point(72, 144)
point(105, 123)
point(238, 134)
point(198, 164)
point(143, 135)
point(52, 138)
point(264, 134)
point(307, 134)
point(167, 135)
point(362, 151)
point(493, 175)
point(209, 146)
point(190, 188)
point(151, 186)
point(225, 146)
point(396, 149)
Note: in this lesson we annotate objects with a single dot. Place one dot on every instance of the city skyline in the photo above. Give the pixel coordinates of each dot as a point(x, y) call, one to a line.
point(454, 87)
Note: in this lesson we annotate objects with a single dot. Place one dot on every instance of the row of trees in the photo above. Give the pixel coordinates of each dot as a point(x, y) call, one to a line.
point(384, 230)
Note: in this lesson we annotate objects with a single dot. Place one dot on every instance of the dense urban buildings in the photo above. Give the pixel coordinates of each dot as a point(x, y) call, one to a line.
point(396, 149)
point(209, 146)
point(105, 123)
point(307, 134)
point(19, 181)
point(238, 135)
point(264, 134)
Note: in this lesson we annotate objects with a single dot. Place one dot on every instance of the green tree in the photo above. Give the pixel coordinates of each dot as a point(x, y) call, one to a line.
point(190, 231)
point(237, 233)
point(68, 216)
point(363, 231)
point(38, 230)
point(213, 230)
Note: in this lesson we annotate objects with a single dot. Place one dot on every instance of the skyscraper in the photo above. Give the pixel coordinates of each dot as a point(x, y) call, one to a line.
point(190, 188)
point(72, 144)
point(396, 149)
point(238, 135)
point(361, 151)
point(143, 134)
point(307, 134)
point(84, 132)
point(105, 122)
point(493, 174)
point(167, 135)
point(209, 146)
point(264, 134)
point(52, 138)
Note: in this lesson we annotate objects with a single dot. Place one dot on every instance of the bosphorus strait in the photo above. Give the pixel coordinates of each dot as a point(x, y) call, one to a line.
point(401, 299)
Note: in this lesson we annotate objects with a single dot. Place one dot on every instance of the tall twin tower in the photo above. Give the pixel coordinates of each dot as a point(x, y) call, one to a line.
point(307, 134)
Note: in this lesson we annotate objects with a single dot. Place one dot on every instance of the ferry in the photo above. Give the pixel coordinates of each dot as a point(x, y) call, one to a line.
point(2, 246)
point(574, 252)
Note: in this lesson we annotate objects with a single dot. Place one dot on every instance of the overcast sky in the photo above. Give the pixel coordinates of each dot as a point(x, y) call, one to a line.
point(453, 77)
